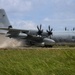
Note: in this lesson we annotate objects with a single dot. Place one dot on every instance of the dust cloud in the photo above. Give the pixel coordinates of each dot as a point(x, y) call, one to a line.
point(6, 42)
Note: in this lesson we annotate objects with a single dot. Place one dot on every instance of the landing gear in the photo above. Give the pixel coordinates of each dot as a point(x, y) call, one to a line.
point(49, 46)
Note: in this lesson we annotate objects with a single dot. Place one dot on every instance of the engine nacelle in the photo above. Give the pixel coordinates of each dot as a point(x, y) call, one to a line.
point(22, 35)
point(47, 41)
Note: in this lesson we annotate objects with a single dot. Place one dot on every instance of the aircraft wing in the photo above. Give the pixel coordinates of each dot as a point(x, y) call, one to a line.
point(12, 30)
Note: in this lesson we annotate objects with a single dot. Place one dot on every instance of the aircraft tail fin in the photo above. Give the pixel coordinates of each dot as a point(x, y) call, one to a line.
point(4, 22)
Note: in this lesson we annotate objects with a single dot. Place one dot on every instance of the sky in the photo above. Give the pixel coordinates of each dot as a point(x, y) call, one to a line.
point(27, 14)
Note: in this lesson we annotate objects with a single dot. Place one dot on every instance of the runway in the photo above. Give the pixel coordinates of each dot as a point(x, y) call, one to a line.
point(39, 48)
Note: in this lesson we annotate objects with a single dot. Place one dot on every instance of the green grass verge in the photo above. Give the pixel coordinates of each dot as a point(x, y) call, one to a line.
point(37, 62)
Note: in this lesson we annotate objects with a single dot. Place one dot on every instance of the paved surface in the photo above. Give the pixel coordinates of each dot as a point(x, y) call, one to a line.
point(39, 48)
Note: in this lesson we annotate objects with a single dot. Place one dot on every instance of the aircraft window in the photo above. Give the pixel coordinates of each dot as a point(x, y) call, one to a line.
point(73, 37)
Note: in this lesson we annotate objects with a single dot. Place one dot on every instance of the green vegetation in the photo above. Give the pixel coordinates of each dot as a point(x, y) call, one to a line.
point(37, 62)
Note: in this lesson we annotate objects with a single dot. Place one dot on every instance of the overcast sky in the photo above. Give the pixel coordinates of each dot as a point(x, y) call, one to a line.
point(27, 14)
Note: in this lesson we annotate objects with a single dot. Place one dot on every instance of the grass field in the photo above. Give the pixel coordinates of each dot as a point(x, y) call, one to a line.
point(37, 61)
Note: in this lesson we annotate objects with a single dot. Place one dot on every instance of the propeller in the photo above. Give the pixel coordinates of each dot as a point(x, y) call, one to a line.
point(65, 28)
point(49, 31)
point(73, 28)
point(40, 31)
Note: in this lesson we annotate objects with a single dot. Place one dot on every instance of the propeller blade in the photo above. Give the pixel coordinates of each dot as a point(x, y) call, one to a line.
point(49, 27)
point(47, 30)
point(38, 27)
point(40, 31)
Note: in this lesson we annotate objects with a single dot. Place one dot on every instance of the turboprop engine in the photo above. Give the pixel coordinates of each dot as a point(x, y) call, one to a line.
point(48, 42)
point(20, 35)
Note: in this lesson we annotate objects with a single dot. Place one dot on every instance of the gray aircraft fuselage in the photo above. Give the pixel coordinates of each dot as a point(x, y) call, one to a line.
point(64, 36)
point(58, 36)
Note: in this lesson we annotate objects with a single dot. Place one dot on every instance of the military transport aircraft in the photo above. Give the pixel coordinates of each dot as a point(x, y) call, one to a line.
point(35, 37)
